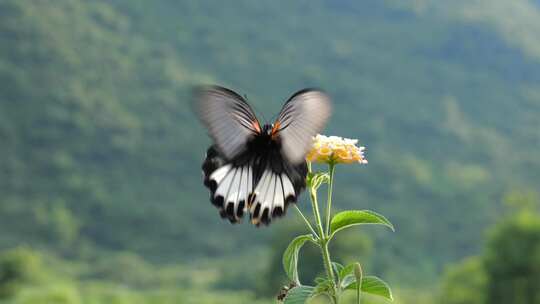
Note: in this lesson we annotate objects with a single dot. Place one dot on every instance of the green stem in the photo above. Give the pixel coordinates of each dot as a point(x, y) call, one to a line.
point(323, 243)
point(308, 224)
point(316, 213)
point(324, 237)
point(331, 169)
point(358, 290)
point(328, 266)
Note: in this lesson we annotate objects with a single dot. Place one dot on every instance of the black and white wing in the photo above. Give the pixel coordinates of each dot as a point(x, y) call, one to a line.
point(251, 172)
point(228, 117)
point(277, 187)
point(230, 185)
point(302, 117)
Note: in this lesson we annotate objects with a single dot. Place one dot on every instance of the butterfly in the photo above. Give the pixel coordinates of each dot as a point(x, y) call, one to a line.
point(253, 168)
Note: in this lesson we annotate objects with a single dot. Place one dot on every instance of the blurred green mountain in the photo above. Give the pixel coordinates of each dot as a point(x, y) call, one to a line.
point(509, 261)
point(100, 150)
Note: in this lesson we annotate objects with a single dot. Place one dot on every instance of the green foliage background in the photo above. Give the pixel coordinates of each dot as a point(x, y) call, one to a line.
point(100, 153)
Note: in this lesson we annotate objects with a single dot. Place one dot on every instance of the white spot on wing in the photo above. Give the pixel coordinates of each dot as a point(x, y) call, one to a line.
point(288, 188)
point(278, 196)
point(218, 175)
point(270, 192)
point(225, 184)
point(232, 194)
point(261, 189)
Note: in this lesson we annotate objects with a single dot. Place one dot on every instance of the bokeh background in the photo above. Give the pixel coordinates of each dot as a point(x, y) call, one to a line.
point(101, 199)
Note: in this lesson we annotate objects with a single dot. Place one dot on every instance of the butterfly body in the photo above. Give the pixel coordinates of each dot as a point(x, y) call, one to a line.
point(249, 168)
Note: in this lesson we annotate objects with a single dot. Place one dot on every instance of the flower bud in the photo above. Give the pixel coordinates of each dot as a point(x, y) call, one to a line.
point(358, 272)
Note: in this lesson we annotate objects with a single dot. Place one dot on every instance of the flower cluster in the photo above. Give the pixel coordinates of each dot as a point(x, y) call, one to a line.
point(327, 149)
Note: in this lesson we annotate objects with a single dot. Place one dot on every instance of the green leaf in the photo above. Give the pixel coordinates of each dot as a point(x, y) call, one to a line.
point(324, 285)
point(315, 180)
point(347, 270)
point(309, 179)
point(350, 218)
point(290, 256)
point(337, 267)
point(373, 285)
point(347, 280)
point(298, 295)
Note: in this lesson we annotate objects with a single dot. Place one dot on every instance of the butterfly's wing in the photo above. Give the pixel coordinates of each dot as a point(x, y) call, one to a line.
point(303, 116)
point(283, 172)
point(280, 184)
point(228, 117)
point(228, 173)
point(230, 184)
point(262, 184)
